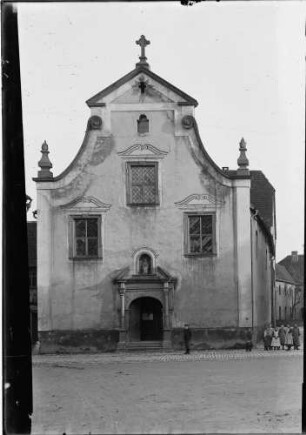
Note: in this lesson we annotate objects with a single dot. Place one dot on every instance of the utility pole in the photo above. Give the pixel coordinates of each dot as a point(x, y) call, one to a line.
point(17, 368)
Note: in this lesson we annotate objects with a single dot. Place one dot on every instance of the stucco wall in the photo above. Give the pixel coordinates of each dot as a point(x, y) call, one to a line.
point(261, 276)
point(80, 294)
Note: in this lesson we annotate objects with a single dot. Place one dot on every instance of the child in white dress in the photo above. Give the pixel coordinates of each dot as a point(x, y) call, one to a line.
point(275, 340)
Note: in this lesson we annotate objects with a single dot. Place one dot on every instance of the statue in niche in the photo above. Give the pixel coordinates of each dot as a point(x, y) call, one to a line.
point(145, 264)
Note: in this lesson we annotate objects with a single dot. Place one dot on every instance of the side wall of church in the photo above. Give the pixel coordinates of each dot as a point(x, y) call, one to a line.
point(262, 278)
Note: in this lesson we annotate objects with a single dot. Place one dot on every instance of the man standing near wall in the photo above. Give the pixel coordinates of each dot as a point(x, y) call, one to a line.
point(187, 338)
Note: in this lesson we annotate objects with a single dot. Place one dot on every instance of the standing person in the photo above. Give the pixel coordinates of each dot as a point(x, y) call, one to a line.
point(289, 339)
point(187, 338)
point(268, 332)
point(249, 342)
point(296, 337)
point(282, 336)
point(275, 340)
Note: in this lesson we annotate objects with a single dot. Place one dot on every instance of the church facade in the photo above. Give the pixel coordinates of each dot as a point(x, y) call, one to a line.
point(143, 232)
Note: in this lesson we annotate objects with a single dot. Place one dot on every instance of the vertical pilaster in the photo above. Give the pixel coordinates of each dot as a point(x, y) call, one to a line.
point(122, 305)
point(167, 332)
point(123, 328)
point(166, 296)
point(44, 259)
point(243, 251)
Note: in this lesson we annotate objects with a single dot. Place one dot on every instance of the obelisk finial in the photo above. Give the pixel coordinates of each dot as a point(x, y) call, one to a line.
point(143, 42)
point(243, 161)
point(44, 163)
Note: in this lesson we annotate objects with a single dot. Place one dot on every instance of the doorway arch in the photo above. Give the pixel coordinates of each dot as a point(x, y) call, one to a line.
point(146, 319)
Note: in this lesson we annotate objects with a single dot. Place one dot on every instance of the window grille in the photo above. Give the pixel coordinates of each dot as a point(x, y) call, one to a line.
point(142, 184)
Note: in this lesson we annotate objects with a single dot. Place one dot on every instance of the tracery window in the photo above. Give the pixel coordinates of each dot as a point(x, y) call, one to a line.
point(142, 183)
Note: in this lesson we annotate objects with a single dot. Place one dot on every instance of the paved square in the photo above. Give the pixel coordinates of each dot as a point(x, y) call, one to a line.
point(173, 393)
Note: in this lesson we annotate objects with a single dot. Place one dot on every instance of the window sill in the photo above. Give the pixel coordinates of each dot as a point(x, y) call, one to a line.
point(213, 254)
point(144, 205)
point(85, 258)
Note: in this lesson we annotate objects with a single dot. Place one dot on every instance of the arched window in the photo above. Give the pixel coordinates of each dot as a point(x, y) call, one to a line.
point(145, 265)
point(143, 124)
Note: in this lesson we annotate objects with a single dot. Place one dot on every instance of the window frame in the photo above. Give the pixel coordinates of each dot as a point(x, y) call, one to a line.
point(72, 237)
point(129, 185)
point(187, 252)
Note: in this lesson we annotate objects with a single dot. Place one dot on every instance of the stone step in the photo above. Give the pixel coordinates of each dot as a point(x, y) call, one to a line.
point(144, 345)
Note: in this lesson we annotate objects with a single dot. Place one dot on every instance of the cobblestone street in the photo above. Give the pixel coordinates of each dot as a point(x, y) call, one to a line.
point(215, 391)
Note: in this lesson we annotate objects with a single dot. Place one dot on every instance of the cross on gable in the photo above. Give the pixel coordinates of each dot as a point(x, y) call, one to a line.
point(143, 42)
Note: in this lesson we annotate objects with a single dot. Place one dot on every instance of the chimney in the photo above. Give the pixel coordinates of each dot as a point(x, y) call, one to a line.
point(294, 255)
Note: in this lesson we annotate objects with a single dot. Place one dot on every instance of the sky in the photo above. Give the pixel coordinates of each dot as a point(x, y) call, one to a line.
point(244, 62)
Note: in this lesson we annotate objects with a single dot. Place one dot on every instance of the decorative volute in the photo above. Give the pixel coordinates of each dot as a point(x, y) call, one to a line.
point(143, 42)
point(44, 163)
point(243, 161)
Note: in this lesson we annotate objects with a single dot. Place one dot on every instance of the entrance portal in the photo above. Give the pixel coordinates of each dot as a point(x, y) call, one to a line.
point(146, 320)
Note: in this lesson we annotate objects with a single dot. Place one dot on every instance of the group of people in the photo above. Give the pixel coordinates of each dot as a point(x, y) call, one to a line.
point(274, 338)
point(284, 336)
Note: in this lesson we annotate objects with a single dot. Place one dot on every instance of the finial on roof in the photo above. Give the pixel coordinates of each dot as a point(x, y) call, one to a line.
point(143, 42)
point(44, 163)
point(242, 161)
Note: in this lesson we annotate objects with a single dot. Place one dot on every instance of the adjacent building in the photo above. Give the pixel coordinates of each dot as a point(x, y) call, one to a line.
point(294, 265)
point(285, 294)
point(144, 232)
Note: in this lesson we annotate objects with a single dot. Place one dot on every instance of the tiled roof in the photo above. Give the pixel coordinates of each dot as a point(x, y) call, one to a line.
point(32, 250)
point(262, 196)
point(295, 266)
point(282, 274)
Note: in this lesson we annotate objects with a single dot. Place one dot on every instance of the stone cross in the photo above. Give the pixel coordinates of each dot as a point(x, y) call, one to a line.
point(143, 42)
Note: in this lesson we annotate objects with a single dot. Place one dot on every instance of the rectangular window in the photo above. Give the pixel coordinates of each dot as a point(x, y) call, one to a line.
point(85, 237)
point(142, 184)
point(280, 313)
point(200, 233)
